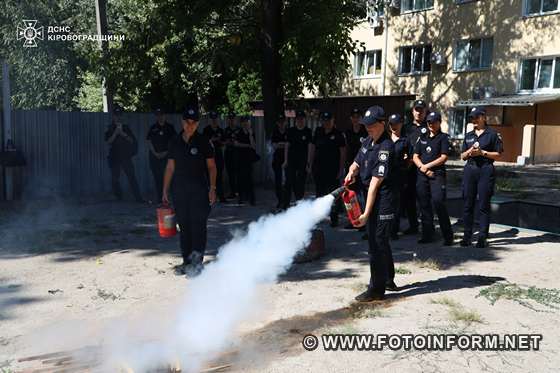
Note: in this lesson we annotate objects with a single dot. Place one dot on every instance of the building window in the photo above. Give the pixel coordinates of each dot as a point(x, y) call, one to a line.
point(537, 7)
point(374, 13)
point(473, 54)
point(457, 123)
point(540, 74)
point(415, 59)
point(367, 63)
point(416, 5)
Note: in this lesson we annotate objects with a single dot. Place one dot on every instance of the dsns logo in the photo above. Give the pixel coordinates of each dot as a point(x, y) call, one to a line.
point(30, 33)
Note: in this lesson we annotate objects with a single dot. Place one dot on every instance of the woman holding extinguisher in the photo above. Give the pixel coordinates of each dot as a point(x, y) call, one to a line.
point(191, 176)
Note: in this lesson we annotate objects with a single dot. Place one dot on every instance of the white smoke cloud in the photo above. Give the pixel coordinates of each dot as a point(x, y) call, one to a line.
point(224, 294)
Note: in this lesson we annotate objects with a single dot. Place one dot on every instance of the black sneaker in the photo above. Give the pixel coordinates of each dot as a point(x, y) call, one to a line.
point(481, 243)
point(465, 242)
point(369, 296)
point(391, 286)
point(193, 270)
point(425, 240)
point(411, 231)
point(179, 270)
point(448, 241)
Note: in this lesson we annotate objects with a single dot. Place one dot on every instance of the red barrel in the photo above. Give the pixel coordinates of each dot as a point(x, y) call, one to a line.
point(352, 206)
point(166, 221)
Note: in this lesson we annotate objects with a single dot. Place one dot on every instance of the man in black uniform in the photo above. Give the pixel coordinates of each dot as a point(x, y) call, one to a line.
point(430, 154)
point(191, 175)
point(123, 147)
point(245, 144)
point(417, 130)
point(402, 162)
point(326, 160)
point(216, 134)
point(230, 155)
point(158, 139)
point(481, 147)
point(296, 155)
point(279, 140)
point(375, 164)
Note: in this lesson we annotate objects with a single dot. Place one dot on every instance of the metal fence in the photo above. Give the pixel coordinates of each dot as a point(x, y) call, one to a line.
point(67, 154)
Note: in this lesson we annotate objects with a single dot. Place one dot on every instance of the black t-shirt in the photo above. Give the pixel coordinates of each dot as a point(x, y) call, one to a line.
point(430, 148)
point(401, 149)
point(299, 140)
point(215, 135)
point(327, 149)
point(160, 135)
point(413, 133)
point(229, 136)
point(277, 136)
point(243, 137)
point(190, 160)
point(489, 140)
point(121, 148)
point(354, 142)
point(378, 159)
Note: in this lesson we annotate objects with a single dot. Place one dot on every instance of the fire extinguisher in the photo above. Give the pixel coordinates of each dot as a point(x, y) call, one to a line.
point(352, 205)
point(166, 221)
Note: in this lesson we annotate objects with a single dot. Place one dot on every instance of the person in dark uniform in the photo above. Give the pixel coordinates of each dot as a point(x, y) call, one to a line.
point(158, 139)
point(216, 134)
point(481, 147)
point(296, 158)
point(123, 146)
point(430, 154)
point(414, 132)
point(327, 159)
point(245, 143)
point(374, 164)
point(191, 176)
point(279, 140)
point(402, 162)
point(230, 154)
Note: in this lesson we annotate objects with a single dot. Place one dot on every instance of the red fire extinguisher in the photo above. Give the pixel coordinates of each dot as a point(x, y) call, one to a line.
point(352, 205)
point(166, 221)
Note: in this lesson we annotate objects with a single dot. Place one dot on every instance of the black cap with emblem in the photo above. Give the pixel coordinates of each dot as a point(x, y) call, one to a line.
point(395, 119)
point(356, 112)
point(300, 114)
point(191, 113)
point(420, 104)
point(213, 115)
point(326, 115)
point(477, 112)
point(373, 115)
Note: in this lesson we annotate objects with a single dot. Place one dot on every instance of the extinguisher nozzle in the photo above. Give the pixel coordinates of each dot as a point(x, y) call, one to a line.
point(337, 192)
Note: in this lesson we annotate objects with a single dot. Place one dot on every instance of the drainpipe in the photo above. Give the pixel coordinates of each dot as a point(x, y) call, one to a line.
point(385, 52)
point(533, 150)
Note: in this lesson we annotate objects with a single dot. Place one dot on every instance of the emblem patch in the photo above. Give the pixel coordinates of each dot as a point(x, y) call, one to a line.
point(476, 144)
point(381, 171)
point(429, 149)
point(161, 133)
point(194, 151)
point(424, 130)
point(364, 150)
point(332, 137)
point(383, 155)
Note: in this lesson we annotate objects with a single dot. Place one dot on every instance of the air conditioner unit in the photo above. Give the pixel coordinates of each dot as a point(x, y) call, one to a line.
point(439, 59)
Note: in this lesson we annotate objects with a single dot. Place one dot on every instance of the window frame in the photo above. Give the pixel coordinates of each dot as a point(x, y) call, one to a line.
point(479, 68)
point(525, 14)
point(451, 112)
point(415, 10)
point(412, 58)
point(539, 59)
point(366, 53)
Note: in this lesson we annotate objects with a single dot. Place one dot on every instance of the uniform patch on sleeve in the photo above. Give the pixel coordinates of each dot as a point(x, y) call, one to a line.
point(381, 170)
point(383, 155)
point(500, 137)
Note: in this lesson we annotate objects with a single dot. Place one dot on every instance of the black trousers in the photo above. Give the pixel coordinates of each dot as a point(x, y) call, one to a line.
point(125, 165)
point(219, 157)
point(246, 187)
point(381, 264)
point(432, 191)
point(296, 176)
point(231, 169)
point(477, 181)
point(192, 208)
point(398, 197)
point(409, 200)
point(325, 183)
point(279, 184)
point(157, 166)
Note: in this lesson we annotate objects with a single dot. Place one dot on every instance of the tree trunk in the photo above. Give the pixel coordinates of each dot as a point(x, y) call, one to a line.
point(273, 98)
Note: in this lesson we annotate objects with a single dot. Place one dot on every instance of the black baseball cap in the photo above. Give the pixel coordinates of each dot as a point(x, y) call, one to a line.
point(477, 111)
point(300, 114)
point(355, 111)
point(326, 115)
point(373, 115)
point(213, 115)
point(434, 116)
point(395, 118)
point(231, 115)
point(281, 117)
point(158, 111)
point(191, 112)
point(420, 104)
point(245, 118)
point(117, 110)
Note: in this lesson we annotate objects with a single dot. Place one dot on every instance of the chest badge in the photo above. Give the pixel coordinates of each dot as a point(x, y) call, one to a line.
point(332, 137)
point(194, 151)
point(161, 133)
point(429, 149)
point(383, 155)
point(364, 150)
point(303, 138)
point(424, 130)
point(476, 144)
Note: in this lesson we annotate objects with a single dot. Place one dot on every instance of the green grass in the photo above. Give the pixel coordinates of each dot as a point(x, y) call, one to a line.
point(457, 312)
point(369, 313)
point(342, 329)
point(509, 184)
point(402, 271)
point(428, 263)
point(526, 296)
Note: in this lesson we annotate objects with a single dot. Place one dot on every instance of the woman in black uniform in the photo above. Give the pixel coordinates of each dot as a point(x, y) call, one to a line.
point(191, 175)
point(402, 162)
point(279, 140)
point(245, 143)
